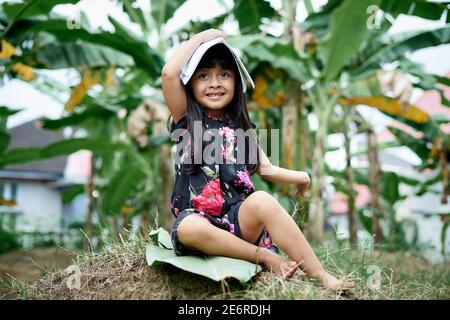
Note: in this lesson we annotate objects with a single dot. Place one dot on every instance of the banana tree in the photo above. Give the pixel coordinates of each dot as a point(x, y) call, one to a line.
point(345, 52)
point(96, 55)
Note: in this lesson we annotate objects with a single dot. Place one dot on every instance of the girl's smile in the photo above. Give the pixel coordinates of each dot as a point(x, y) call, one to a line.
point(213, 88)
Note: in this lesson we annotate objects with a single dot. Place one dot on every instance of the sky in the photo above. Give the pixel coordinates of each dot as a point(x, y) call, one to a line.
point(20, 95)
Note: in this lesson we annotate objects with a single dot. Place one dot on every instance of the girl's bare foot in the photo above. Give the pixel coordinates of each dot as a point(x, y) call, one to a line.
point(276, 264)
point(331, 283)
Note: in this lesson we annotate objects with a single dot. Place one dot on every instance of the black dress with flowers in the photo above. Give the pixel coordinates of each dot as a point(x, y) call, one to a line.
point(216, 190)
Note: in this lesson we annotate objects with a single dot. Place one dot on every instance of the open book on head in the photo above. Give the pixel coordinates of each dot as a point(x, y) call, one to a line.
point(191, 65)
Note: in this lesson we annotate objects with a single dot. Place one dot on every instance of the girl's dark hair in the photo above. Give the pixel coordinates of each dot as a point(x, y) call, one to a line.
point(219, 55)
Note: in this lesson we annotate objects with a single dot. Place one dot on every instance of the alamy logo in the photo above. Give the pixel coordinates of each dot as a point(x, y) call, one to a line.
point(376, 15)
point(226, 145)
point(374, 279)
point(74, 279)
point(75, 22)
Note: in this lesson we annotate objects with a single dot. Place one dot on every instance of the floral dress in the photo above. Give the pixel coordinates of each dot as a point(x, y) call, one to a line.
point(215, 191)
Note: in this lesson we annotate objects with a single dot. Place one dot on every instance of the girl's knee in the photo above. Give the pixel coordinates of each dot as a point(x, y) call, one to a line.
point(261, 199)
point(190, 228)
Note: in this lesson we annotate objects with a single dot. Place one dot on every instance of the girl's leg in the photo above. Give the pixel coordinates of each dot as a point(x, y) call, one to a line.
point(198, 234)
point(261, 209)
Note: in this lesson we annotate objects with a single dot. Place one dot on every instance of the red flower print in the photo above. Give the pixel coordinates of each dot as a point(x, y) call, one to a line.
point(211, 199)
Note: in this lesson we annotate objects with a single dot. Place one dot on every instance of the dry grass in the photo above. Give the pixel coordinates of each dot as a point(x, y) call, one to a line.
point(121, 272)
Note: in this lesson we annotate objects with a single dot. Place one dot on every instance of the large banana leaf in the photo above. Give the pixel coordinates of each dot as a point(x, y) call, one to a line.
point(249, 13)
point(76, 55)
point(144, 56)
point(279, 53)
point(60, 148)
point(420, 8)
point(76, 118)
point(213, 267)
point(347, 31)
point(391, 48)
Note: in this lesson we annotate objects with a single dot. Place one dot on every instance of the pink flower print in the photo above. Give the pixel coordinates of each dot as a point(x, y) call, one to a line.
point(244, 179)
point(227, 132)
point(267, 242)
point(211, 199)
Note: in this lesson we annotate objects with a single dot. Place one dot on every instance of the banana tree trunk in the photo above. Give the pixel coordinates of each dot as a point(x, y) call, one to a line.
point(444, 170)
point(374, 184)
point(91, 205)
point(316, 218)
point(352, 227)
point(303, 134)
point(323, 105)
point(289, 129)
point(165, 217)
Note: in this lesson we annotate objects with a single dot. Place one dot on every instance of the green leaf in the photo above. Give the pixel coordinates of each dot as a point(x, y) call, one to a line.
point(60, 148)
point(418, 146)
point(163, 10)
point(6, 112)
point(76, 55)
point(347, 31)
point(69, 146)
point(249, 13)
point(444, 236)
point(194, 26)
point(390, 48)
point(423, 9)
point(162, 238)
point(135, 13)
point(279, 53)
point(365, 221)
point(368, 86)
point(20, 155)
point(213, 267)
point(121, 186)
point(76, 118)
point(390, 187)
point(4, 141)
point(144, 56)
point(424, 185)
point(70, 193)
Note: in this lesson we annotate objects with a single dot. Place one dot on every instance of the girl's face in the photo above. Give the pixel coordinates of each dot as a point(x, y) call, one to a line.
point(213, 87)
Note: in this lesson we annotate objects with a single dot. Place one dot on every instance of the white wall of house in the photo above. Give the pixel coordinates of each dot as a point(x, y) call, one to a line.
point(41, 207)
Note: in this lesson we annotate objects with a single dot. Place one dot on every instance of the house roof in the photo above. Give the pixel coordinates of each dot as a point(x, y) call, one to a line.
point(30, 134)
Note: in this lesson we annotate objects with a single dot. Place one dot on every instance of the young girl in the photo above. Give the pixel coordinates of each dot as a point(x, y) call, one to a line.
point(218, 212)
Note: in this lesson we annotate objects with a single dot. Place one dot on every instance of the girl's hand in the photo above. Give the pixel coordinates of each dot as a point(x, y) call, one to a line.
point(303, 183)
point(211, 34)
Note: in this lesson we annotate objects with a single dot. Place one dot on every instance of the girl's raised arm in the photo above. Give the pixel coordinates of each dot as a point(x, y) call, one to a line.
point(172, 86)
